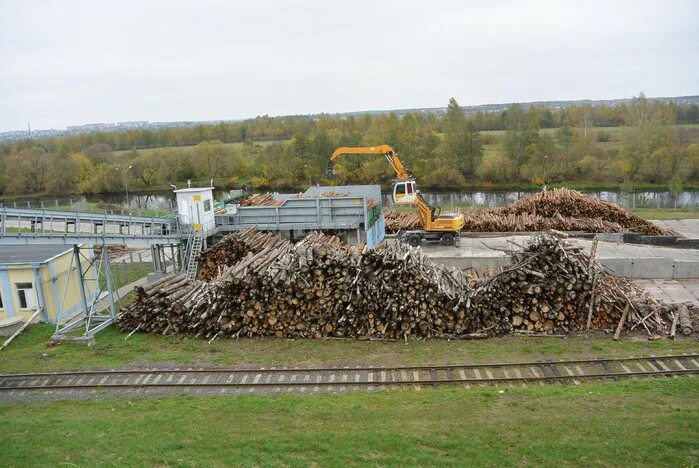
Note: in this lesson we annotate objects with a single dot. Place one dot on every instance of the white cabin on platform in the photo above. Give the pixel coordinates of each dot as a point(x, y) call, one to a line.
point(195, 207)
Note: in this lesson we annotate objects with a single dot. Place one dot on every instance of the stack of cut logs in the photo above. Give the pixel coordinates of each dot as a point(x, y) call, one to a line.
point(233, 248)
point(400, 220)
point(322, 288)
point(265, 199)
point(113, 251)
point(559, 209)
point(548, 287)
point(573, 204)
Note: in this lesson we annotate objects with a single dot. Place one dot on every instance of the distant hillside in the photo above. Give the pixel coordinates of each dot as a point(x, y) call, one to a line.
point(145, 125)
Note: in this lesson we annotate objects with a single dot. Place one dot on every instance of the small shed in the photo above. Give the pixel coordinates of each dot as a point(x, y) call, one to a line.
point(39, 276)
point(195, 207)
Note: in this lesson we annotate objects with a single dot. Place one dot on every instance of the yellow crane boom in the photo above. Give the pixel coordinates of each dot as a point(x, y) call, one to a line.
point(385, 150)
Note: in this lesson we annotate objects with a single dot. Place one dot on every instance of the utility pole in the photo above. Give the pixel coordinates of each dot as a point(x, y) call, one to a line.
point(126, 182)
point(29, 130)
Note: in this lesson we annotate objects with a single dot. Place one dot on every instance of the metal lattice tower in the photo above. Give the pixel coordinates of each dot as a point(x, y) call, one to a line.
point(98, 294)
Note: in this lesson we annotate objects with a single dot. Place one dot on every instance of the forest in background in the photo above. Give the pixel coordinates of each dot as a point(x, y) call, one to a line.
point(642, 142)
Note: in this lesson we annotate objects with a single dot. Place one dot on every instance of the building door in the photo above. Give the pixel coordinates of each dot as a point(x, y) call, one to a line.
point(25, 295)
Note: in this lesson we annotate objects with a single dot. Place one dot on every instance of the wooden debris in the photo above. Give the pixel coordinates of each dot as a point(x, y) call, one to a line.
point(620, 326)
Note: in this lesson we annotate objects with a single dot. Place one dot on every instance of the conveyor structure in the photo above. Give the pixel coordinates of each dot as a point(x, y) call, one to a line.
point(30, 226)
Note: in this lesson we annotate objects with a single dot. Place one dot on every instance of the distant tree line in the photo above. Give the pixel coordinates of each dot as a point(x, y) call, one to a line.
point(642, 141)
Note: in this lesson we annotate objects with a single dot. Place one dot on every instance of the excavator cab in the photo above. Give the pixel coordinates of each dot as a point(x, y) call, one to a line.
point(404, 192)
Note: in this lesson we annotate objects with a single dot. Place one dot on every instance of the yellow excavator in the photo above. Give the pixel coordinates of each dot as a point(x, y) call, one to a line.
point(436, 226)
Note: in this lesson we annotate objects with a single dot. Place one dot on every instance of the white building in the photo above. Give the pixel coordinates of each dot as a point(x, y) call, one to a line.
point(195, 207)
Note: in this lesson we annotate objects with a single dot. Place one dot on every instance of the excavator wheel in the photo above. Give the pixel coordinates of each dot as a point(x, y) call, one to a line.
point(447, 239)
point(414, 240)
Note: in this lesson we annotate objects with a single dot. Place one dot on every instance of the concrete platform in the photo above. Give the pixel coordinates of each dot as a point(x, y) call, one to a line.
point(628, 260)
point(10, 325)
point(676, 291)
point(688, 228)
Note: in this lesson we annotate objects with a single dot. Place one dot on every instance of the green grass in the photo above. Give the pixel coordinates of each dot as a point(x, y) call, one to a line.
point(615, 133)
point(632, 423)
point(661, 214)
point(190, 148)
point(124, 274)
point(32, 352)
point(14, 230)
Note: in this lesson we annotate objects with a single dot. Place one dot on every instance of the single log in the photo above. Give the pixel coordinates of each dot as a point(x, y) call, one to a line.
point(685, 321)
point(620, 326)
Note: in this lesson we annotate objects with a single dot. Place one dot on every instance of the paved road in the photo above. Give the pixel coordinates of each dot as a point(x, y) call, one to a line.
point(688, 228)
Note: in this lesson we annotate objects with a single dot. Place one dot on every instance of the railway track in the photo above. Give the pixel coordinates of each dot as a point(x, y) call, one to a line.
point(292, 379)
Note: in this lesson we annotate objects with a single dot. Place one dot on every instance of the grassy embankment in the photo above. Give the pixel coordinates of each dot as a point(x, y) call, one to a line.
point(635, 422)
point(664, 214)
point(31, 351)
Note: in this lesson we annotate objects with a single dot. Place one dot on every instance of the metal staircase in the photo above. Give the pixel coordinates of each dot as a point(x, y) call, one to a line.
point(194, 247)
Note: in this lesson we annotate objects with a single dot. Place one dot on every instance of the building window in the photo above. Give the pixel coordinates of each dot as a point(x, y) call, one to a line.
point(207, 206)
point(25, 295)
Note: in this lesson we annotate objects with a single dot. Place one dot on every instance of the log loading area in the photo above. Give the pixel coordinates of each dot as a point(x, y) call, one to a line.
point(316, 266)
point(256, 283)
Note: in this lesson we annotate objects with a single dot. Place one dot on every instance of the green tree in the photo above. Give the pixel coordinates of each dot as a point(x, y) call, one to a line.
point(62, 176)
point(27, 171)
point(462, 142)
point(212, 157)
point(497, 168)
point(145, 168)
point(521, 130)
point(565, 136)
point(648, 128)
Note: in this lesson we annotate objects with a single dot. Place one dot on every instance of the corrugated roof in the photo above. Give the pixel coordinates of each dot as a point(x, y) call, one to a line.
point(30, 253)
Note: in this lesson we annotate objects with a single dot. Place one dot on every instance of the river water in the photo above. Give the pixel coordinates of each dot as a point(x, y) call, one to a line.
point(165, 201)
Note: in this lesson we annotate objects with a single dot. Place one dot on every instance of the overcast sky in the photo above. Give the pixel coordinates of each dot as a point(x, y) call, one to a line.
point(67, 63)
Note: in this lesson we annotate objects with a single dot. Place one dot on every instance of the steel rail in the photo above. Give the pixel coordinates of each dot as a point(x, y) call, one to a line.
point(371, 383)
point(223, 370)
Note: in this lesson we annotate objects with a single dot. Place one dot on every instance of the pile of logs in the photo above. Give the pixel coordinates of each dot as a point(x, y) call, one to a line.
point(165, 306)
point(487, 221)
point(573, 204)
point(265, 199)
point(114, 251)
point(268, 199)
point(552, 286)
point(322, 288)
point(232, 249)
point(559, 209)
point(400, 220)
